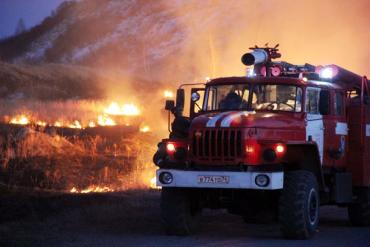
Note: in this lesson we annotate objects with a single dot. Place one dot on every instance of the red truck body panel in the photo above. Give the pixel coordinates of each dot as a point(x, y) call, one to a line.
point(359, 141)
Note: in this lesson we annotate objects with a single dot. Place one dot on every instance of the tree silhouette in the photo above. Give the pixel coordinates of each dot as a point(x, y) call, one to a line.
point(21, 27)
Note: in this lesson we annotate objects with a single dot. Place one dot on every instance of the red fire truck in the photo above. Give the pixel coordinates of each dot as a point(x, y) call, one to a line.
point(273, 145)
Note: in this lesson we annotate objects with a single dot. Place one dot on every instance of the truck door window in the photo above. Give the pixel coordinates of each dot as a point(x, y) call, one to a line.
point(312, 100)
point(209, 103)
point(338, 104)
point(298, 102)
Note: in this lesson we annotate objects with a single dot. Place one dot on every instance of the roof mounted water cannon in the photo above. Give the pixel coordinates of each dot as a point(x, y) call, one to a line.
point(262, 57)
point(256, 57)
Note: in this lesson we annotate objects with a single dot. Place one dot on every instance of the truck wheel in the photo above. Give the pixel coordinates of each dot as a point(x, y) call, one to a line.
point(299, 205)
point(180, 214)
point(359, 214)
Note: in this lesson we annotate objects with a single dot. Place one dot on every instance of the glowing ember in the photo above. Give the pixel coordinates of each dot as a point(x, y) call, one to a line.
point(168, 94)
point(145, 129)
point(58, 124)
point(41, 123)
point(104, 120)
point(73, 190)
point(125, 110)
point(92, 124)
point(76, 125)
point(22, 119)
point(92, 189)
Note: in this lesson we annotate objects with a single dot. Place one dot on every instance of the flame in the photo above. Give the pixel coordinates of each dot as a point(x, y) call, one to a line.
point(113, 109)
point(73, 190)
point(41, 123)
point(76, 125)
point(104, 120)
point(22, 119)
point(145, 129)
point(92, 124)
point(168, 94)
point(124, 110)
point(130, 110)
point(92, 189)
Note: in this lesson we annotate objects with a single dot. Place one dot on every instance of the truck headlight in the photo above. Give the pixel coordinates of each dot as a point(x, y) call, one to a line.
point(170, 147)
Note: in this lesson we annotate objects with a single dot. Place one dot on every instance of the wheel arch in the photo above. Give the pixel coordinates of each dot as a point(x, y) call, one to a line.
point(305, 157)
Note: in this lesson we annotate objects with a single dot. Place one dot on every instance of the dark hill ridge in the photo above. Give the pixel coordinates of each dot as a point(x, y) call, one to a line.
point(71, 82)
point(49, 82)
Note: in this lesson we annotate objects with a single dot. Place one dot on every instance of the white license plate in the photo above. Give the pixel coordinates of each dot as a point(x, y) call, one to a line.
point(213, 179)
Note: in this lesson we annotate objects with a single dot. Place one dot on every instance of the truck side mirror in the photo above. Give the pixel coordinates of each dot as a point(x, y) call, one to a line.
point(170, 104)
point(195, 96)
point(180, 99)
point(324, 102)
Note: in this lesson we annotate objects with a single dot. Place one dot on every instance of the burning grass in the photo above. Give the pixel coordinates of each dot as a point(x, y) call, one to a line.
point(71, 138)
point(71, 114)
point(77, 163)
point(78, 146)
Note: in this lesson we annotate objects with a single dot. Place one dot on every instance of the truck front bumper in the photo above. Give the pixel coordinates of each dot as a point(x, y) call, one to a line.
point(220, 179)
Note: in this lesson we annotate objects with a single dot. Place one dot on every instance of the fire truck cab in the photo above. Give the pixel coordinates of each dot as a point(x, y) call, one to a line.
point(274, 145)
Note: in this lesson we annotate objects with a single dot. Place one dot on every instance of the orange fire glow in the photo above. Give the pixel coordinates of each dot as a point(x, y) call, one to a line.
point(75, 125)
point(92, 189)
point(58, 124)
point(103, 119)
point(168, 94)
point(145, 129)
point(41, 123)
point(22, 120)
point(125, 110)
point(92, 124)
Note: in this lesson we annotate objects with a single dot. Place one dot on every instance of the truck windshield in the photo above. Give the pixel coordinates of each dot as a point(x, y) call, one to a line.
point(271, 97)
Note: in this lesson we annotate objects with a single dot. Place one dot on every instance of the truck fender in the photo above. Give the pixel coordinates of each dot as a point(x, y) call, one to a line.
point(306, 157)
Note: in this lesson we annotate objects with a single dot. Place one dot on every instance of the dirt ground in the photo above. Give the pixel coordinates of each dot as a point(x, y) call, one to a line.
point(132, 219)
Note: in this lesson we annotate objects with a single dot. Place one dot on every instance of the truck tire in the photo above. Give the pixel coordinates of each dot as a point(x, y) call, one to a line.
point(359, 214)
point(179, 213)
point(299, 205)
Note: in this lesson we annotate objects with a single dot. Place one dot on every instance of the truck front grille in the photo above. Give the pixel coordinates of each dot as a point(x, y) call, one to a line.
point(217, 144)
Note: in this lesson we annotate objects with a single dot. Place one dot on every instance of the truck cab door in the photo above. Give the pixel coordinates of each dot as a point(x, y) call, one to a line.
point(314, 120)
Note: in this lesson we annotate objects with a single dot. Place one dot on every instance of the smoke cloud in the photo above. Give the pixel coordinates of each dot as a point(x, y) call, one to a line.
point(317, 32)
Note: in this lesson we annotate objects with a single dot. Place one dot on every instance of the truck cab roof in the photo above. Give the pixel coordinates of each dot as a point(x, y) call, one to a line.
point(275, 80)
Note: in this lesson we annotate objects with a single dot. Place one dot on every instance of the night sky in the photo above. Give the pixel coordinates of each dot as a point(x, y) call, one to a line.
point(32, 12)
